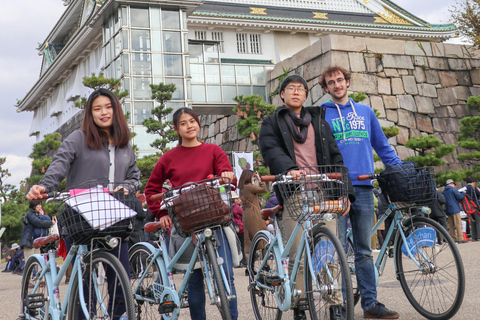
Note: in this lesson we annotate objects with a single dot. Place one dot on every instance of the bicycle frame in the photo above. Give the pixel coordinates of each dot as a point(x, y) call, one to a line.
point(166, 266)
point(56, 309)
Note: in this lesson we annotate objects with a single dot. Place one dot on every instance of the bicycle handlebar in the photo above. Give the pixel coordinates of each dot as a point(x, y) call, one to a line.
point(279, 177)
point(157, 197)
point(370, 176)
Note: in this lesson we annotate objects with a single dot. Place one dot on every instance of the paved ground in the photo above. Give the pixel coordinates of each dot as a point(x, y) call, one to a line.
point(389, 292)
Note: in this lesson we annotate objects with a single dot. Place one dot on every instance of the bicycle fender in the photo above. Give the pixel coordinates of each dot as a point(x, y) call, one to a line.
point(39, 258)
point(145, 244)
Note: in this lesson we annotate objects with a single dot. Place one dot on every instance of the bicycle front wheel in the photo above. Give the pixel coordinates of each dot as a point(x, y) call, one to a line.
point(223, 304)
point(107, 291)
point(436, 287)
point(264, 302)
point(330, 294)
point(34, 290)
point(144, 292)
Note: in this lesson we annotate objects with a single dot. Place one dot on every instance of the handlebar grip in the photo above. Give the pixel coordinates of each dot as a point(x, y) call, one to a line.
point(268, 178)
point(334, 175)
point(365, 176)
point(157, 197)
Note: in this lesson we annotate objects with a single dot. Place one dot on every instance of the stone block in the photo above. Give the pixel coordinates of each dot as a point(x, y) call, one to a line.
point(242, 147)
point(451, 112)
point(410, 84)
point(376, 102)
point(449, 138)
point(475, 63)
point(391, 73)
point(438, 49)
point(366, 83)
point(393, 142)
point(438, 63)
point(385, 46)
point(462, 93)
point(385, 123)
point(373, 63)
point(461, 111)
point(439, 124)
point(356, 62)
point(390, 102)
point(475, 91)
point(429, 90)
point(432, 76)
point(316, 92)
point(218, 139)
point(453, 50)
point(403, 72)
point(403, 135)
point(397, 86)
point(436, 103)
point(211, 130)
point(384, 86)
point(424, 123)
point(217, 128)
point(225, 137)
point(223, 124)
point(392, 115)
point(424, 105)
point(407, 102)
point(459, 64)
point(446, 96)
point(448, 78)
point(420, 61)
point(419, 75)
point(453, 124)
point(403, 152)
point(232, 120)
point(309, 53)
point(417, 48)
point(342, 42)
point(315, 67)
point(463, 78)
point(475, 74)
point(398, 62)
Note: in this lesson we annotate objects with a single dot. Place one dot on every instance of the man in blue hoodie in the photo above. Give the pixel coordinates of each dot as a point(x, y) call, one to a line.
point(356, 131)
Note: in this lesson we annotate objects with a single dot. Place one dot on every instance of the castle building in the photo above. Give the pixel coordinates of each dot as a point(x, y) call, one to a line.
point(211, 50)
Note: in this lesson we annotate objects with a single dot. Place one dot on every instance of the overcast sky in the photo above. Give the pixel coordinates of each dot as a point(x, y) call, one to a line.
point(26, 23)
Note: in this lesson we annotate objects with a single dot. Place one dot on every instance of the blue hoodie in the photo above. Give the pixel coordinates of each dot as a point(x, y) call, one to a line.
point(357, 130)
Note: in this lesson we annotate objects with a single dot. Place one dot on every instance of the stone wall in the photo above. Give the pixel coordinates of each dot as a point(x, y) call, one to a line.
point(419, 87)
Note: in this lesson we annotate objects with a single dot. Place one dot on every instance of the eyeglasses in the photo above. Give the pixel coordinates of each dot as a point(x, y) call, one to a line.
point(293, 89)
point(332, 82)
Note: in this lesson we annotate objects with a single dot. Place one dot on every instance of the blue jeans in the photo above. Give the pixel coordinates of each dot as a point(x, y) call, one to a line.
point(196, 290)
point(361, 217)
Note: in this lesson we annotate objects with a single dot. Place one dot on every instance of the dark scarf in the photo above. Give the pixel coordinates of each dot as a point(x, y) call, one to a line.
point(293, 121)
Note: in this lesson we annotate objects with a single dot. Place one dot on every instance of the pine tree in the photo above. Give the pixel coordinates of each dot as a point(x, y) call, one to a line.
point(42, 155)
point(96, 82)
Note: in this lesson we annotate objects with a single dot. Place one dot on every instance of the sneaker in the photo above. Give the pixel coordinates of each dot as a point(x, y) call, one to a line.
point(299, 314)
point(379, 311)
point(336, 312)
point(6, 270)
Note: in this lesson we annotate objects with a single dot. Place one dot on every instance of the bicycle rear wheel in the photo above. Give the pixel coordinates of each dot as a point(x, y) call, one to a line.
point(351, 267)
point(223, 305)
point(333, 292)
point(263, 300)
point(144, 297)
point(33, 302)
point(105, 297)
point(436, 288)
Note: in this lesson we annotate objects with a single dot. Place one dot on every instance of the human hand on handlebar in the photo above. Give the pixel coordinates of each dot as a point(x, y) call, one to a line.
point(165, 222)
point(296, 174)
point(347, 210)
point(36, 192)
point(228, 174)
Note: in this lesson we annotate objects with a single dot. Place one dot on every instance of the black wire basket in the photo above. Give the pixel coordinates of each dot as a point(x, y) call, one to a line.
point(409, 186)
point(196, 206)
point(323, 189)
point(99, 211)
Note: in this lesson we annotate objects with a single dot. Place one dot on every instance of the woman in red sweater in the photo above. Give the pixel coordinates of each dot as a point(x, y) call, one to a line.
point(191, 161)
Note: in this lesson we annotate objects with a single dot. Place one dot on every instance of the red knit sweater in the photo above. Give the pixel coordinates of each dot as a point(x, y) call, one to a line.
point(182, 165)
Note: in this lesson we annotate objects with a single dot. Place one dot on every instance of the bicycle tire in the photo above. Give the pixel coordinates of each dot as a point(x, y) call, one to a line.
point(263, 300)
point(30, 278)
point(351, 267)
point(138, 259)
point(426, 288)
point(329, 260)
point(98, 263)
point(224, 306)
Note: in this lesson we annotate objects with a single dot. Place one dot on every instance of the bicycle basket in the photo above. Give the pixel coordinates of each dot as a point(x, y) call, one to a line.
point(199, 205)
point(95, 212)
point(407, 185)
point(324, 189)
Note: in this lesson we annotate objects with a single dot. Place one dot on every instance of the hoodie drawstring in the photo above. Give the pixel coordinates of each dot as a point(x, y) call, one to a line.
point(341, 117)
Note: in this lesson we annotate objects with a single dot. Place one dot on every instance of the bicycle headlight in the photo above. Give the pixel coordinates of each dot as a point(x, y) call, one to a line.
point(208, 232)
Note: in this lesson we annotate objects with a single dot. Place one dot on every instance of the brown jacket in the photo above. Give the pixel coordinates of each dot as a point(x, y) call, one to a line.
point(252, 221)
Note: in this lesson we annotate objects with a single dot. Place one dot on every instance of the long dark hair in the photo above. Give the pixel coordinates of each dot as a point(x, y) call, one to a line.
point(178, 114)
point(119, 132)
point(245, 178)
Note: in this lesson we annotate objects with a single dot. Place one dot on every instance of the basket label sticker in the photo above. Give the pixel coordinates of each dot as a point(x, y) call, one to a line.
point(423, 237)
point(324, 253)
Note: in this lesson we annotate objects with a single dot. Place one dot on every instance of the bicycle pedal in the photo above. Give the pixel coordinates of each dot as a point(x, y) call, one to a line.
point(167, 307)
point(302, 304)
point(274, 280)
point(35, 301)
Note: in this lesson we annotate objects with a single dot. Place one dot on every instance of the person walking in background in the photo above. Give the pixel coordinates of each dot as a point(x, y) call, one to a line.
point(36, 224)
point(252, 221)
point(438, 213)
point(237, 220)
point(474, 194)
point(452, 198)
point(357, 132)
